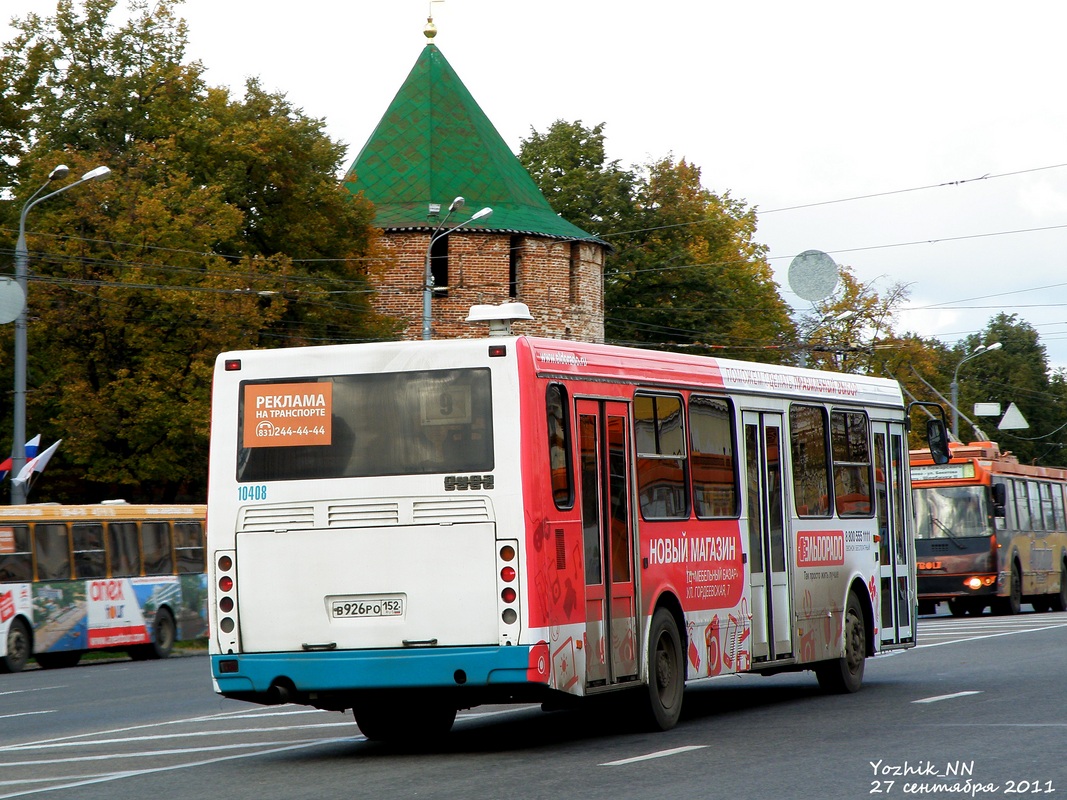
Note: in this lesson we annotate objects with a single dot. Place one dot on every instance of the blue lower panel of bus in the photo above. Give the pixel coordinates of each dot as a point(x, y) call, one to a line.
point(341, 670)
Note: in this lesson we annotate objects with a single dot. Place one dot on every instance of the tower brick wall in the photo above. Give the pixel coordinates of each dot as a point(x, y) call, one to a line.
point(560, 281)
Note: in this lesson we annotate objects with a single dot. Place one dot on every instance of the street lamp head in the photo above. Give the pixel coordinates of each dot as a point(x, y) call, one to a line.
point(994, 346)
point(96, 174)
point(59, 173)
point(457, 203)
point(482, 214)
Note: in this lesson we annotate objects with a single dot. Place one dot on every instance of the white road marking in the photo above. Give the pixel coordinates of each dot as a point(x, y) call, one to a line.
point(38, 689)
point(941, 697)
point(172, 752)
point(27, 713)
point(135, 773)
point(127, 739)
point(658, 754)
point(987, 636)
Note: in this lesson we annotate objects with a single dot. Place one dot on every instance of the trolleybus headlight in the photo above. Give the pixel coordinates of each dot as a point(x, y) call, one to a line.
point(226, 583)
point(508, 595)
point(973, 583)
point(507, 574)
point(507, 553)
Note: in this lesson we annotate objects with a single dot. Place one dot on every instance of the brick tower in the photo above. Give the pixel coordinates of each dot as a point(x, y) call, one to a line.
point(435, 145)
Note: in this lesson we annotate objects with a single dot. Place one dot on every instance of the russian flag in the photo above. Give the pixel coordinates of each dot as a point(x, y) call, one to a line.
point(32, 446)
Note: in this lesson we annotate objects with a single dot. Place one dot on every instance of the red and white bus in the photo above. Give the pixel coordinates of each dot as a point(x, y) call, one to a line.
point(410, 528)
point(990, 532)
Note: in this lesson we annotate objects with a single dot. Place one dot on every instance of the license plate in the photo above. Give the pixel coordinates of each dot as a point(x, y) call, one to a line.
point(358, 607)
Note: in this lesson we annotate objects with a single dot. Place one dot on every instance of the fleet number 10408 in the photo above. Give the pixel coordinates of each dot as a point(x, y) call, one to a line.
point(252, 492)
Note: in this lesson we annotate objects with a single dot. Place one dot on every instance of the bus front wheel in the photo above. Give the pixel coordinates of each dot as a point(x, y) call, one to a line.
point(1012, 603)
point(1059, 600)
point(666, 671)
point(18, 647)
point(845, 675)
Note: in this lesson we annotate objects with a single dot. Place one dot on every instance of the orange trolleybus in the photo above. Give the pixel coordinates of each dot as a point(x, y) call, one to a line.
point(406, 529)
point(990, 532)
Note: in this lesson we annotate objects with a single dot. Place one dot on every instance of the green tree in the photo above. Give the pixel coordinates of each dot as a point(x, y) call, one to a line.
point(1017, 373)
point(569, 164)
point(853, 329)
point(223, 226)
point(691, 273)
point(686, 270)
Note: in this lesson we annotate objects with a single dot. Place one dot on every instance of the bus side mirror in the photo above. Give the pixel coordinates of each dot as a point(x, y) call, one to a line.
point(1000, 498)
point(937, 439)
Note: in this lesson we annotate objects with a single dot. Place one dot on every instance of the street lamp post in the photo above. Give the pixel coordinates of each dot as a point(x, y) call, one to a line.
point(427, 287)
point(954, 387)
point(22, 263)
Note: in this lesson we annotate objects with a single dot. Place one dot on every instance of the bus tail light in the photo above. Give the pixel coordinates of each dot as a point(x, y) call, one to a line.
point(225, 611)
point(507, 577)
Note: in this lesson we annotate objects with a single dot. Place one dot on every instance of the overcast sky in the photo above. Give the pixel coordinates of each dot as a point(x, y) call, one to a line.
point(950, 113)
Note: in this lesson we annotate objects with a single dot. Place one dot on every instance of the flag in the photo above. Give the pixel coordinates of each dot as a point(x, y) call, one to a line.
point(31, 450)
point(36, 464)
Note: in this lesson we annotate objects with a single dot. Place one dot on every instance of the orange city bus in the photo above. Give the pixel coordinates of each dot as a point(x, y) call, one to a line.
point(110, 576)
point(989, 532)
point(405, 529)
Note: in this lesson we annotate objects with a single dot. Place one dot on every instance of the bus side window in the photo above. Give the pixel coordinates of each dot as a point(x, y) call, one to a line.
point(124, 548)
point(811, 461)
point(16, 561)
point(714, 467)
point(1034, 491)
point(52, 545)
point(189, 546)
point(1047, 506)
point(155, 540)
point(852, 463)
point(1022, 506)
point(559, 459)
point(1057, 506)
point(661, 456)
point(89, 559)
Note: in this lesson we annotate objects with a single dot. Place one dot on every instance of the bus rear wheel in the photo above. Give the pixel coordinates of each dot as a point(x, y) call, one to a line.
point(18, 647)
point(404, 723)
point(164, 634)
point(845, 675)
point(666, 671)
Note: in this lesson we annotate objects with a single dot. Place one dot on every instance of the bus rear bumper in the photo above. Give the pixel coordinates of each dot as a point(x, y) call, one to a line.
point(261, 676)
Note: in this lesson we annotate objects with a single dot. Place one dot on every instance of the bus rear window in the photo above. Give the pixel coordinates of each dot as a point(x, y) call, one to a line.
point(352, 426)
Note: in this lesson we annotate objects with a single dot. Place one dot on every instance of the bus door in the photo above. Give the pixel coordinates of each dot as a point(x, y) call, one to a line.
point(895, 540)
point(772, 617)
point(610, 604)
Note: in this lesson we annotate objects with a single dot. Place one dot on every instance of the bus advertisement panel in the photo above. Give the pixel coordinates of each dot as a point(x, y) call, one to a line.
point(405, 529)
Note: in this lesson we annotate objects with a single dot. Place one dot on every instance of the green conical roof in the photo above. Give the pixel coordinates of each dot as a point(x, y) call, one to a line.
point(434, 144)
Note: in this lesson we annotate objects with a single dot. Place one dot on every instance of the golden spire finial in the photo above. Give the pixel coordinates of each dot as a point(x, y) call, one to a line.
point(430, 30)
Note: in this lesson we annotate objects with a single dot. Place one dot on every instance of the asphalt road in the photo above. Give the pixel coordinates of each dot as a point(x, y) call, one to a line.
point(978, 708)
